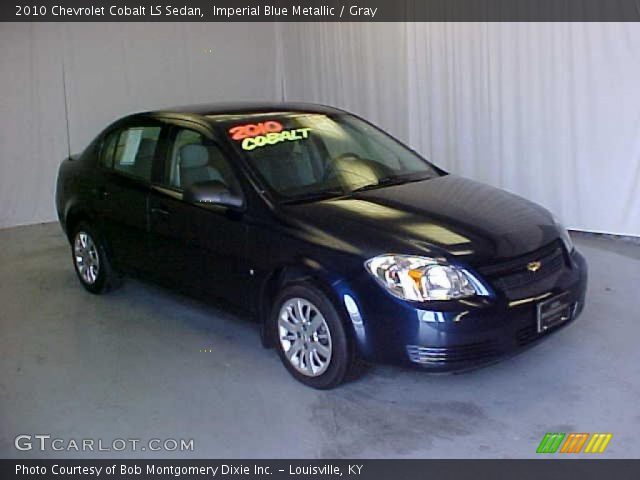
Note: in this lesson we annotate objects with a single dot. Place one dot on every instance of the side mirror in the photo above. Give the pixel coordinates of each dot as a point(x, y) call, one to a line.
point(212, 192)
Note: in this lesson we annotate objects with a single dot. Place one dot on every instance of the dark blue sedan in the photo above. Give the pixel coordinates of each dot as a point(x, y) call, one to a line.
point(346, 245)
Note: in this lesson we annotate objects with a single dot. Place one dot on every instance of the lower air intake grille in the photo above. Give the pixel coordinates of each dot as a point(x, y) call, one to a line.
point(526, 335)
point(444, 355)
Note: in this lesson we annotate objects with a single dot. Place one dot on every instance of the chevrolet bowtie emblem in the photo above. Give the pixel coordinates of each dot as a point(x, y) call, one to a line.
point(534, 266)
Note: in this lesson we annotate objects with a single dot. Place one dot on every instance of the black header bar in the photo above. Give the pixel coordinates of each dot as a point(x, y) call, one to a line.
point(320, 11)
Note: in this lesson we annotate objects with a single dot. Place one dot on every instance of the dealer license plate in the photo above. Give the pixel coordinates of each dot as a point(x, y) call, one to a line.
point(553, 312)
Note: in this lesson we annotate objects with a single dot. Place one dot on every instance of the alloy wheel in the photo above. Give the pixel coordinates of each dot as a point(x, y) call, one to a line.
point(85, 254)
point(304, 336)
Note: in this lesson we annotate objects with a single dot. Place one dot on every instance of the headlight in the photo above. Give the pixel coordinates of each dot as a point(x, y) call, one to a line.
point(564, 235)
point(422, 278)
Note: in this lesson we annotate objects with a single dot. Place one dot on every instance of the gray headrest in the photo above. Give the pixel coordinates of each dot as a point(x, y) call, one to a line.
point(194, 156)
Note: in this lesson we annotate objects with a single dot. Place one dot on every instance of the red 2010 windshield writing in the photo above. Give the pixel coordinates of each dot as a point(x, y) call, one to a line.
point(240, 132)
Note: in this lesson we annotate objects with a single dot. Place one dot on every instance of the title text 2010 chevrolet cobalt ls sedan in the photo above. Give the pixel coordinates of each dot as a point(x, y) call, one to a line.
point(344, 243)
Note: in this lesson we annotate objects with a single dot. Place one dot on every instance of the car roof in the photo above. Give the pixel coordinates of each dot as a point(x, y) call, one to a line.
point(235, 108)
point(210, 113)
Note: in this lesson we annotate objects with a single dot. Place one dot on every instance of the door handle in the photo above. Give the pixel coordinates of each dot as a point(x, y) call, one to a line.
point(159, 211)
point(101, 192)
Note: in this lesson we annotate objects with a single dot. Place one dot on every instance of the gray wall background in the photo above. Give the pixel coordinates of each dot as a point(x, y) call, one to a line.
point(550, 111)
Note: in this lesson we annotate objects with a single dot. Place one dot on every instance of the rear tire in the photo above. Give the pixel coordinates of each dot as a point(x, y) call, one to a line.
point(310, 337)
point(91, 260)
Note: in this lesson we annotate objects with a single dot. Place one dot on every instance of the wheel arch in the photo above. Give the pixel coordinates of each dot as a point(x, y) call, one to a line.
point(305, 271)
point(74, 216)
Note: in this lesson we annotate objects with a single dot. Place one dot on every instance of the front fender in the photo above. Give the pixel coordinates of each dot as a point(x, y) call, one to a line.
point(302, 270)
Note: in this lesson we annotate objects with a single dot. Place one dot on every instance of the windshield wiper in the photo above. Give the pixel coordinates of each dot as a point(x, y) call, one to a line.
point(338, 192)
point(315, 196)
point(388, 181)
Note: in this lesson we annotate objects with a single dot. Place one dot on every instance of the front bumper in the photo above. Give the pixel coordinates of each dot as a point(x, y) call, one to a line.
point(456, 335)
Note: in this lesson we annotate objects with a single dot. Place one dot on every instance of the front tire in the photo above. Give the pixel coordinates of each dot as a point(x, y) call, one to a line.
point(310, 337)
point(91, 260)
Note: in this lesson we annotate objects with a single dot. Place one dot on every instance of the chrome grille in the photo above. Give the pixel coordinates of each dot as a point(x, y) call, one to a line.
point(513, 273)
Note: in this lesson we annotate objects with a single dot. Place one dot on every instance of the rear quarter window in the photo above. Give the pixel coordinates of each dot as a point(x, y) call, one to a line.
point(131, 150)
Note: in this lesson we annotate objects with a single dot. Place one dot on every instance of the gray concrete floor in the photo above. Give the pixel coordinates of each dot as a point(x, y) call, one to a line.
point(129, 365)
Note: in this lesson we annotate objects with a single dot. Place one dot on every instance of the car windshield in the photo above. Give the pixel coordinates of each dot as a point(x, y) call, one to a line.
point(309, 156)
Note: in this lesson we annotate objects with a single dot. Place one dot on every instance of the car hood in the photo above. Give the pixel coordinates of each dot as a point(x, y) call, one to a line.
point(447, 215)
